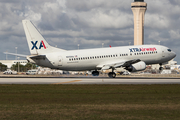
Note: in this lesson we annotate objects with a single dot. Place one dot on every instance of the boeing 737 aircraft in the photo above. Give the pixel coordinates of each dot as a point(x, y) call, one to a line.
point(132, 58)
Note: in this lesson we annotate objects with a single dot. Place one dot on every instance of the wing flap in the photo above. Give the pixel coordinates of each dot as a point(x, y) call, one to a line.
point(106, 67)
point(118, 64)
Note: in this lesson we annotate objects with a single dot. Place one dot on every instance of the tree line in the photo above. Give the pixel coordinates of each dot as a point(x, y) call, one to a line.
point(22, 68)
point(3, 67)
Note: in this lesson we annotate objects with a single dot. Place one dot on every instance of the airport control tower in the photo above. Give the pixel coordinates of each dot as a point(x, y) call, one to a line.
point(139, 8)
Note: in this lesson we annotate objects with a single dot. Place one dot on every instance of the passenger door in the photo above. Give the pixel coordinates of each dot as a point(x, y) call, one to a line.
point(60, 61)
point(163, 54)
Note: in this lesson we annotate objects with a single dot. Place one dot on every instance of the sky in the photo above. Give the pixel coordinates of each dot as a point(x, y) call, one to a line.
point(89, 23)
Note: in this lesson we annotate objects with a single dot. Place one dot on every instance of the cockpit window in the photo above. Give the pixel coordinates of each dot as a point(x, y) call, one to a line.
point(169, 50)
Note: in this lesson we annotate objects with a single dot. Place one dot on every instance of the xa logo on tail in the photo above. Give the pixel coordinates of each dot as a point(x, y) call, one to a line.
point(35, 45)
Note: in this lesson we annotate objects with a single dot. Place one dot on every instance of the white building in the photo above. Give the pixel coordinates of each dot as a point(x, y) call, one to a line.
point(9, 63)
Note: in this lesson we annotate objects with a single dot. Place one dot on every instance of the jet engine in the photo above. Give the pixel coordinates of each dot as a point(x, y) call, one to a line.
point(136, 67)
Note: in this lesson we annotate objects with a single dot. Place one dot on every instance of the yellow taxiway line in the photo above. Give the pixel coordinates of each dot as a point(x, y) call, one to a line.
point(68, 82)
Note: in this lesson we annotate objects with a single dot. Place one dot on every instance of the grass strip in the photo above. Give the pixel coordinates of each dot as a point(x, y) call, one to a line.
point(106, 102)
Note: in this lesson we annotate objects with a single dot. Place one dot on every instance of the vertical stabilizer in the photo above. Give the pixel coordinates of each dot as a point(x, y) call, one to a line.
point(37, 44)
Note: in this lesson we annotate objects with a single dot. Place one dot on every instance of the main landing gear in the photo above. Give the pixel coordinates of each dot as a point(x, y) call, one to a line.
point(95, 73)
point(160, 68)
point(112, 74)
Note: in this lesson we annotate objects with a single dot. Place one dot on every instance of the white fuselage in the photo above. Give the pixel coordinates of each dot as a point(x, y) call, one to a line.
point(93, 59)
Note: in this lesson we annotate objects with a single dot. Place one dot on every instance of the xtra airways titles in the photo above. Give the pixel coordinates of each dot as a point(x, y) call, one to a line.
point(142, 49)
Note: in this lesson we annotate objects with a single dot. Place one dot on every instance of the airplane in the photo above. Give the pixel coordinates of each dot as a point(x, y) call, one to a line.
point(132, 58)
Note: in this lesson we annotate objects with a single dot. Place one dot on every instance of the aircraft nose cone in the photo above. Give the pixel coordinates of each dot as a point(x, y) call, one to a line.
point(173, 54)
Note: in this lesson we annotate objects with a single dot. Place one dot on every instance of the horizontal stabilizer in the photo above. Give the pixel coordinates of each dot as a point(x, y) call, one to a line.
point(15, 54)
point(38, 57)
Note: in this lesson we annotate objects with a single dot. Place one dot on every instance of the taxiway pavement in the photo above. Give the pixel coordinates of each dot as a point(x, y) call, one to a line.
point(89, 81)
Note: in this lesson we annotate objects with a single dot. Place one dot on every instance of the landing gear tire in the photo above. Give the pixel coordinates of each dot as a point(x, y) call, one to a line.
point(160, 68)
point(95, 73)
point(112, 75)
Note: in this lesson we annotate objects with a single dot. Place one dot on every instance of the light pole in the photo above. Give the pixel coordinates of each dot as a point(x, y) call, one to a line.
point(159, 42)
point(78, 46)
point(129, 43)
point(6, 55)
point(16, 53)
point(18, 64)
point(102, 45)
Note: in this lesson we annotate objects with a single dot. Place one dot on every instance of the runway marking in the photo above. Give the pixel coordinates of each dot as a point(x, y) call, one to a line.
point(68, 82)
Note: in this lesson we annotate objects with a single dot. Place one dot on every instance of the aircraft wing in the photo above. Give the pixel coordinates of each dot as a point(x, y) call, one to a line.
point(128, 63)
point(118, 64)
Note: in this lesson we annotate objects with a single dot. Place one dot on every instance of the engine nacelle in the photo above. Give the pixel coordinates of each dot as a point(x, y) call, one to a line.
point(136, 67)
